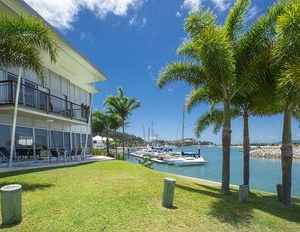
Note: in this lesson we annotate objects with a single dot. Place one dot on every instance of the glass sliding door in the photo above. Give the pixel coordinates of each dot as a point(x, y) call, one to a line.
point(4, 142)
point(78, 141)
point(83, 136)
point(56, 140)
point(67, 142)
point(41, 143)
point(24, 143)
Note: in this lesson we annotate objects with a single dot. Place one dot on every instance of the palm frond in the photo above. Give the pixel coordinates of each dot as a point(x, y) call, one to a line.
point(236, 18)
point(259, 37)
point(193, 74)
point(190, 50)
point(198, 21)
point(201, 95)
point(212, 118)
point(21, 41)
point(287, 45)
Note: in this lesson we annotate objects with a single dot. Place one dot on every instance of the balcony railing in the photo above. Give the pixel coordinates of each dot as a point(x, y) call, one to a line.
point(36, 99)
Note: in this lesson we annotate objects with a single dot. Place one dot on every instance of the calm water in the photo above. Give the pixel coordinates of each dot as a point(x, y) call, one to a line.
point(264, 173)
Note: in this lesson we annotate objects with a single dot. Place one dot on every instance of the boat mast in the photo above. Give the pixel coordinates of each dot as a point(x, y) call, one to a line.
point(182, 132)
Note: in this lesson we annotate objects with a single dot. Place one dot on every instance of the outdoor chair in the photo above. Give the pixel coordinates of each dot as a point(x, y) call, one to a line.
point(73, 153)
point(79, 153)
point(56, 154)
point(4, 154)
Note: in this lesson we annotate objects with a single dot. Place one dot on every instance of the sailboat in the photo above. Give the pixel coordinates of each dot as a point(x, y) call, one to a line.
point(187, 158)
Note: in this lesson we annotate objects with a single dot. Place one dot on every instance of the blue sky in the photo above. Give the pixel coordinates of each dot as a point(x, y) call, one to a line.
point(131, 40)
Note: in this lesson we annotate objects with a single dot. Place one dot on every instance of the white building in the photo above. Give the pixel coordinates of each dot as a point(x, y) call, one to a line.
point(53, 119)
point(100, 142)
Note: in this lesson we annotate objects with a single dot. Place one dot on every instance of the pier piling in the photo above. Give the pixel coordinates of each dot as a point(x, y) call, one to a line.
point(11, 204)
point(243, 193)
point(279, 192)
point(168, 194)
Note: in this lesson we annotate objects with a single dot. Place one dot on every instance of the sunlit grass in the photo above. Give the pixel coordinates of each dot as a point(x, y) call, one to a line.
point(119, 196)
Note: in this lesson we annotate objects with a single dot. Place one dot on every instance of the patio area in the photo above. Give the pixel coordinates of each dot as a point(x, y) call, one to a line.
point(37, 164)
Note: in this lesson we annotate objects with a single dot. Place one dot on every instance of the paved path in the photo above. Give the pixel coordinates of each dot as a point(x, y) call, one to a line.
point(43, 164)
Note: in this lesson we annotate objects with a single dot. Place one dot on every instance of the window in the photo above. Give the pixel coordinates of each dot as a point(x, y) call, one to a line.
point(4, 141)
point(83, 136)
point(67, 145)
point(41, 143)
point(24, 143)
point(56, 140)
point(24, 137)
point(78, 142)
point(73, 141)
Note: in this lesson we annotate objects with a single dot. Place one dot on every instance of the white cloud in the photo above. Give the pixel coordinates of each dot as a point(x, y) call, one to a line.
point(86, 36)
point(178, 14)
point(62, 13)
point(191, 5)
point(135, 21)
point(150, 72)
point(222, 4)
point(252, 12)
point(144, 22)
point(194, 5)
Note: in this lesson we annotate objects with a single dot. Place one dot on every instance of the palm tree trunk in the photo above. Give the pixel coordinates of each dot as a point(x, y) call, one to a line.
point(246, 148)
point(226, 142)
point(123, 142)
point(107, 142)
point(287, 158)
point(115, 137)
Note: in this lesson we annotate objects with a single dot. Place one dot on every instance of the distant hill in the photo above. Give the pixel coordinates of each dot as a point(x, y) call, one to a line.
point(130, 140)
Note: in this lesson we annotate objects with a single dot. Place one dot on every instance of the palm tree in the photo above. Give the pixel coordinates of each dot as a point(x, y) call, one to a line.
point(220, 65)
point(104, 123)
point(287, 62)
point(115, 124)
point(22, 39)
point(122, 106)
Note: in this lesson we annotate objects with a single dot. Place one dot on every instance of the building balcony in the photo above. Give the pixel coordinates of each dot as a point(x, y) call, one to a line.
point(37, 100)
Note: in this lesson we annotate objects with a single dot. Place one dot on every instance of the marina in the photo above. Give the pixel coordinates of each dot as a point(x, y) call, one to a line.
point(165, 155)
point(264, 173)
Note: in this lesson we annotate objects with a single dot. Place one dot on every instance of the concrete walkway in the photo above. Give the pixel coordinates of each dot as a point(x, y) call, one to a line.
point(21, 166)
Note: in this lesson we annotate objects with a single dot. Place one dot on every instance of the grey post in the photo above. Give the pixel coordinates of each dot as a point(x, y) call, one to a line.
point(279, 192)
point(11, 204)
point(243, 193)
point(168, 195)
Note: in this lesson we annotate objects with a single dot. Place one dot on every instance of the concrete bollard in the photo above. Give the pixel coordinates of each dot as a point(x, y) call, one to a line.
point(168, 195)
point(279, 192)
point(243, 193)
point(11, 204)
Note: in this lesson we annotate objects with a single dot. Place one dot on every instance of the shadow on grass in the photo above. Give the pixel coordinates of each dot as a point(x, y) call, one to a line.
point(29, 187)
point(226, 208)
point(9, 226)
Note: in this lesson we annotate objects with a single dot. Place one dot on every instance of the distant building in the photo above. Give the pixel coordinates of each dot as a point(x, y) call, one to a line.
point(100, 142)
point(55, 116)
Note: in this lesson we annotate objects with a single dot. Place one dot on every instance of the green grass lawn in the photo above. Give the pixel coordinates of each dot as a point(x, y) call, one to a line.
point(119, 196)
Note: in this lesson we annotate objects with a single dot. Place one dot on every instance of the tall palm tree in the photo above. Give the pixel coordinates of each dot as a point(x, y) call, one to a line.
point(22, 39)
point(287, 62)
point(105, 123)
point(122, 106)
point(115, 124)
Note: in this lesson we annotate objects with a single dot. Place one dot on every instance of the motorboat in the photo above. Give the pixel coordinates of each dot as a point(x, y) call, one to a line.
point(188, 161)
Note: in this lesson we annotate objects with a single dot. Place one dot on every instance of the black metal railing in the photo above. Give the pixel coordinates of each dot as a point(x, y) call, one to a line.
point(32, 97)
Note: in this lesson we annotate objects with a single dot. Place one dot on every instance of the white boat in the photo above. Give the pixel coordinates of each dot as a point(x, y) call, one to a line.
point(188, 161)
